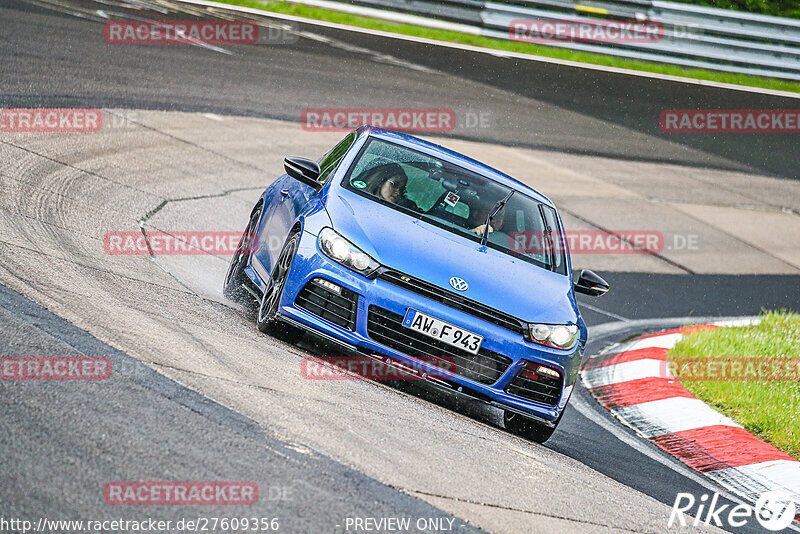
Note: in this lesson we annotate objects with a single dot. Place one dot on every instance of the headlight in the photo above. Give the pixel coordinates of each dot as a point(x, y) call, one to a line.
point(559, 336)
point(343, 251)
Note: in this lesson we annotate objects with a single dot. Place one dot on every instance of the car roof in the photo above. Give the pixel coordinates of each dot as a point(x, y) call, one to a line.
point(432, 149)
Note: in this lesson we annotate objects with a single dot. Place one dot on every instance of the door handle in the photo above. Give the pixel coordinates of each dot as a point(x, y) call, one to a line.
point(284, 194)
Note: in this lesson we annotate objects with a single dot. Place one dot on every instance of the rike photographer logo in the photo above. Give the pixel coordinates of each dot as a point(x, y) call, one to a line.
point(774, 511)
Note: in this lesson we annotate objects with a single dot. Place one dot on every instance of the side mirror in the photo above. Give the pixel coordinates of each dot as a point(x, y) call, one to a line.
point(591, 284)
point(303, 170)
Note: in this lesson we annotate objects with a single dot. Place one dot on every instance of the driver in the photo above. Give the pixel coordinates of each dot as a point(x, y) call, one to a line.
point(476, 222)
point(389, 183)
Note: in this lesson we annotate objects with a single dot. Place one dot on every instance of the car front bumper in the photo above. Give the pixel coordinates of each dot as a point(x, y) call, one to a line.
point(310, 263)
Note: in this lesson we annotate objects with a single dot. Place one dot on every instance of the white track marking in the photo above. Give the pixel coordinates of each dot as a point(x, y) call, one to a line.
point(754, 479)
point(783, 475)
point(625, 372)
point(748, 321)
point(668, 416)
point(667, 341)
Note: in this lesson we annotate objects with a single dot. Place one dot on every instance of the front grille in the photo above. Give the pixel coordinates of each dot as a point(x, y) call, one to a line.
point(543, 389)
point(339, 309)
point(387, 328)
point(454, 300)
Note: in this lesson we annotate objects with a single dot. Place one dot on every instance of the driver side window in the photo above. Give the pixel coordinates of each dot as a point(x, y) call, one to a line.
point(421, 189)
point(329, 162)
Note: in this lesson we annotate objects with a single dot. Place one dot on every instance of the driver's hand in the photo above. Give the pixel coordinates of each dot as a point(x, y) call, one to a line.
point(479, 229)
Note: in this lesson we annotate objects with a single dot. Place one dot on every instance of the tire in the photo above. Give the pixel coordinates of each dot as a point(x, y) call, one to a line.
point(235, 279)
point(267, 319)
point(527, 428)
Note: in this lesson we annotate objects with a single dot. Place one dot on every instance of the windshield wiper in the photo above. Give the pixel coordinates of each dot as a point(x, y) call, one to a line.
point(551, 265)
point(497, 207)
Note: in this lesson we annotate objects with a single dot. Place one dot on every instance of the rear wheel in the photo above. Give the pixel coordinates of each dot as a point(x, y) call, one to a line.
point(235, 278)
point(527, 428)
point(267, 320)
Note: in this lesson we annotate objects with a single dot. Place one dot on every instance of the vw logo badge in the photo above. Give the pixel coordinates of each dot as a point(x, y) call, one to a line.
point(459, 284)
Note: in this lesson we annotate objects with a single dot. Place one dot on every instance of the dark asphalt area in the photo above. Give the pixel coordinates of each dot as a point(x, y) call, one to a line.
point(529, 103)
point(650, 296)
point(62, 441)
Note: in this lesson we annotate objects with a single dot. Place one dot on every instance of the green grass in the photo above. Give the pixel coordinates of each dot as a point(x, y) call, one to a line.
point(768, 409)
point(311, 12)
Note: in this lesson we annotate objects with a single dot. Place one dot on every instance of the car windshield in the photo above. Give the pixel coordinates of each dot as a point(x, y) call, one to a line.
point(459, 201)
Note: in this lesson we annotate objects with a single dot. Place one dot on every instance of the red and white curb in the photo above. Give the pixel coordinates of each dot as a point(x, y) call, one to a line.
point(632, 381)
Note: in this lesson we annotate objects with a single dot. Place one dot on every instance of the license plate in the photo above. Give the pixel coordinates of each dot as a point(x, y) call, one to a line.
point(445, 332)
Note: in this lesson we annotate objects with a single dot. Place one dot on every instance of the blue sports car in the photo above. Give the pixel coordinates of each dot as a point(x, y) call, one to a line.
point(404, 251)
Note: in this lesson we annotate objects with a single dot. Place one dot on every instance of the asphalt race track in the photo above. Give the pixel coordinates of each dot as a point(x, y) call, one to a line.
point(565, 108)
point(199, 394)
point(178, 432)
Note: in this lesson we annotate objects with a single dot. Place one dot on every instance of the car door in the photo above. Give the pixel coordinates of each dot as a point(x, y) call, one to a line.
point(287, 200)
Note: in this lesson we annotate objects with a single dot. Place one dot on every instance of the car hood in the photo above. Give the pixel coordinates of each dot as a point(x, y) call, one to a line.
point(430, 253)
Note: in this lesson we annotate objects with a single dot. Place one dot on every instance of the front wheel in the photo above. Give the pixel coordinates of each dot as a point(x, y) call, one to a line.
point(267, 320)
point(527, 428)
